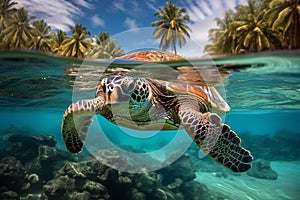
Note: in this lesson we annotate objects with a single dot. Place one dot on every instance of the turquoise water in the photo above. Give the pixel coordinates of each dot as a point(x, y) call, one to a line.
point(263, 91)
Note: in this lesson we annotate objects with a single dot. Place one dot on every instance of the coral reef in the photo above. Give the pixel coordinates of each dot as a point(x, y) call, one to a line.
point(25, 147)
point(33, 168)
point(12, 174)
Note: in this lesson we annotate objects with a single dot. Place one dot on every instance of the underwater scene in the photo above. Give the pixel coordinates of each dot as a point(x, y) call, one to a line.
point(262, 90)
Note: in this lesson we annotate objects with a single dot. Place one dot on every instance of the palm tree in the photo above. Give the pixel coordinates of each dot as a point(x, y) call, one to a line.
point(77, 45)
point(252, 30)
point(224, 37)
point(103, 37)
point(171, 26)
point(6, 11)
point(244, 31)
point(284, 16)
point(105, 47)
point(57, 41)
point(18, 33)
point(41, 34)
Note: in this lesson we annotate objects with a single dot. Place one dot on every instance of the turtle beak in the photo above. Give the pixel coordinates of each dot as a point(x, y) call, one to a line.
point(114, 95)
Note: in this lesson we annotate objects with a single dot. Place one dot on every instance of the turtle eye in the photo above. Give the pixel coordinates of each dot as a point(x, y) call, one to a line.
point(110, 87)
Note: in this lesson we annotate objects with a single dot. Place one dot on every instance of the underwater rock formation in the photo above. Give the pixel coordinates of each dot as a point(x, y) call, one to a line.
point(25, 147)
point(11, 195)
point(12, 174)
point(198, 190)
point(58, 187)
point(262, 169)
point(33, 168)
point(28, 163)
point(182, 168)
point(283, 146)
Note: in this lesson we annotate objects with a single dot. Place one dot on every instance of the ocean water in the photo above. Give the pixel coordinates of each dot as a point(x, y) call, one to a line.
point(263, 91)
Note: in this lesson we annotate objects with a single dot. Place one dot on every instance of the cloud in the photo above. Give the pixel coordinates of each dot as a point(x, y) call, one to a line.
point(83, 3)
point(152, 5)
point(97, 21)
point(119, 5)
point(59, 14)
point(202, 14)
point(131, 7)
point(130, 23)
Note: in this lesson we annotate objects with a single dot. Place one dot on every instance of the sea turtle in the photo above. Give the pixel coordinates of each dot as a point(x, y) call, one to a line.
point(155, 104)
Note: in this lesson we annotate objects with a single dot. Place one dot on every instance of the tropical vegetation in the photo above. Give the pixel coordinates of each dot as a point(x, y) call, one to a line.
point(19, 30)
point(260, 25)
point(171, 26)
point(41, 36)
point(78, 43)
point(105, 47)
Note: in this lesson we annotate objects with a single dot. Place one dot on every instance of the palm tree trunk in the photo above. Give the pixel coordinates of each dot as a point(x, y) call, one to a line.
point(295, 34)
point(174, 43)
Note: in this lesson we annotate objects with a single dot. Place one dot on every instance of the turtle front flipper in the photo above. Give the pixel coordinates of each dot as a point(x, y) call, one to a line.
point(217, 140)
point(77, 119)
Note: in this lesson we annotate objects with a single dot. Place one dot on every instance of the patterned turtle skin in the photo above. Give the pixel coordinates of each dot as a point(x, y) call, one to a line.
point(148, 104)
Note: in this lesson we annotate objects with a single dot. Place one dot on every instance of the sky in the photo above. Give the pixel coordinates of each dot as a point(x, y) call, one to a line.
point(129, 21)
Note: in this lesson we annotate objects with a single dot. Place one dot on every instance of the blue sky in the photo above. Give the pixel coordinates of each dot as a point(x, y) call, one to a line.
point(129, 21)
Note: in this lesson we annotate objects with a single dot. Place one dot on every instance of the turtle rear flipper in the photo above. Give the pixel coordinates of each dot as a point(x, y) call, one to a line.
point(215, 139)
point(76, 121)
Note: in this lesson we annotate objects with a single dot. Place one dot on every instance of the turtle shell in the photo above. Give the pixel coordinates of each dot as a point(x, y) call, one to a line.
point(208, 94)
point(152, 55)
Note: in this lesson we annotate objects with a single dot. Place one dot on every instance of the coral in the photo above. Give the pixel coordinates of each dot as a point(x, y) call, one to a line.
point(32, 178)
point(135, 194)
point(96, 190)
point(29, 162)
point(9, 195)
point(25, 147)
point(12, 174)
point(46, 153)
point(50, 173)
point(118, 160)
point(79, 196)
point(146, 183)
point(44, 163)
point(176, 185)
point(58, 188)
point(262, 169)
point(182, 168)
point(72, 170)
point(111, 158)
point(92, 176)
point(159, 194)
point(33, 197)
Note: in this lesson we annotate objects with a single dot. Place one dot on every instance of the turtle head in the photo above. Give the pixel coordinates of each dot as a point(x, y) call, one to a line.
point(126, 91)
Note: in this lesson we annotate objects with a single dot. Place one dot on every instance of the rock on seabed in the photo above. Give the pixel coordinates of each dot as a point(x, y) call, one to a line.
point(33, 168)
